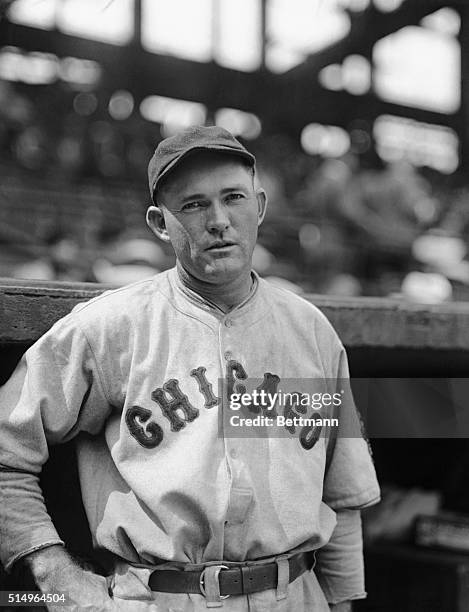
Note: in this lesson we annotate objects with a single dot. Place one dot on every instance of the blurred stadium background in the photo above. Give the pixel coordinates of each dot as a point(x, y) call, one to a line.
point(358, 111)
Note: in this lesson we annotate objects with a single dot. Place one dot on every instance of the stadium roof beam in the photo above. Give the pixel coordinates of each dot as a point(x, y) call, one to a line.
point(144, 73)
point(137, 34)
point(341, 108)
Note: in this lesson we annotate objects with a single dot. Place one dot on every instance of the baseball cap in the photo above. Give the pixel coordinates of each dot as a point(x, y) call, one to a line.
point(172, 150)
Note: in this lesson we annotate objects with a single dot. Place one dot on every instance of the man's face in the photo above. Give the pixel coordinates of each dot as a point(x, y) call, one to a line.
point(210, 210)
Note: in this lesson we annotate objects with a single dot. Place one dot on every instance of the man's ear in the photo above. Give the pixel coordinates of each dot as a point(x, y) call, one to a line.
point(156, 222)
point(261, 204)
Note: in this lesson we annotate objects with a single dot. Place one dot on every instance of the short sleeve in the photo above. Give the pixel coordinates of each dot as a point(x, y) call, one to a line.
point(350, 479)
point(54, 393)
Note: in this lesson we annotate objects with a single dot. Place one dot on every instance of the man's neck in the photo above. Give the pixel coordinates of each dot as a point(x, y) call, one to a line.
point(226, 296)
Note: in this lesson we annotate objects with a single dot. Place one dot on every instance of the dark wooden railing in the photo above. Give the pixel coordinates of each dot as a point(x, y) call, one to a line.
point(29, 308)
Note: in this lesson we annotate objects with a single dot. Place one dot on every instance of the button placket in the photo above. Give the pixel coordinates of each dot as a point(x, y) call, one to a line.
point(226, 340)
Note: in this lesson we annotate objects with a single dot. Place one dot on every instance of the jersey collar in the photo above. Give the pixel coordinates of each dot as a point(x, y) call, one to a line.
point(195, 305)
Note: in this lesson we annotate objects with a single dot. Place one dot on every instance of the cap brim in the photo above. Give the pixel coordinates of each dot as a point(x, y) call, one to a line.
point(218, 148)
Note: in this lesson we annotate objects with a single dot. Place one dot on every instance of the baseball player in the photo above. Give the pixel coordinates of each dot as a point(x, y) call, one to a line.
point(195, 519)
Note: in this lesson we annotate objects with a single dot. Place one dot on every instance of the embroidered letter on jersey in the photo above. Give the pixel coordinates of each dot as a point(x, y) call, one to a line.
point(204, 386)
point(148, 437)
point(170, 407)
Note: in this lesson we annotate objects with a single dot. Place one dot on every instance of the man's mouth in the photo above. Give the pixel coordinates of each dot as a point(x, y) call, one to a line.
point(220, 245)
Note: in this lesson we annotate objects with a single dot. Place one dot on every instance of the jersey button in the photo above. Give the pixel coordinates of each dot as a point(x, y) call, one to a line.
point(229, 322)
point(228, 355)
point(233, 453)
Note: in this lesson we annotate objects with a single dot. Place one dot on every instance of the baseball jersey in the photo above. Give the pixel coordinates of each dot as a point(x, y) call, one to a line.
point(136, 373)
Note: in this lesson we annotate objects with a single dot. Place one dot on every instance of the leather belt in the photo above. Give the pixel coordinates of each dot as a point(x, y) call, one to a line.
point(238, 580)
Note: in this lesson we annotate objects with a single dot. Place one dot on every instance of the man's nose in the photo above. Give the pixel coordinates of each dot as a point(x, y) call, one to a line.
point(217, 219)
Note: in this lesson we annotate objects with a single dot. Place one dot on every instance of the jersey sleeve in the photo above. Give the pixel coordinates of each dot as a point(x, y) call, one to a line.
point(54, 393)
point(350, 479)
point(340, 566)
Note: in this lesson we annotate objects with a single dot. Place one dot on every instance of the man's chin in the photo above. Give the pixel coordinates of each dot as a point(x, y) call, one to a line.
point(224, 270)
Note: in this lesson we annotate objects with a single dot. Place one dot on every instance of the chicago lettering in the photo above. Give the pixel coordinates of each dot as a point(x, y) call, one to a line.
point(178, 410)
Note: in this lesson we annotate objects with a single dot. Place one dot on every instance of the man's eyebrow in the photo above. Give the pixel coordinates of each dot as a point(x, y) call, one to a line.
point(193, 196)
point(235, 187)
point(202, 196)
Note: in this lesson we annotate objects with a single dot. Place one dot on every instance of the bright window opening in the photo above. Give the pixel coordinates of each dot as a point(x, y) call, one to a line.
point(296, 28)
point(37, 13)
point(174, 115)
point(419, 143)
point(446, 21)
point(103, 20)
point(420, 68)
point(239, 37)
point(178, 27)
point(325, 140)
point(32, 68)
point(239, 123)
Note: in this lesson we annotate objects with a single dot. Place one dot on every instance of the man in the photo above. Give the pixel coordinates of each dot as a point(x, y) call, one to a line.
point(194, 518)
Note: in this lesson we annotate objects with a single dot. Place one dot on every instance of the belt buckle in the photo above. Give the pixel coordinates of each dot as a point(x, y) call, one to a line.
point(202, 580)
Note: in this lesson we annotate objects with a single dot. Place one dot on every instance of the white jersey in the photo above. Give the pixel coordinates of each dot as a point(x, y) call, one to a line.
point(138, 368)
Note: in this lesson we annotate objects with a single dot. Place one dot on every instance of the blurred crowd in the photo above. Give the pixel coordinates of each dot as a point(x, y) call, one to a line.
point(73, 197)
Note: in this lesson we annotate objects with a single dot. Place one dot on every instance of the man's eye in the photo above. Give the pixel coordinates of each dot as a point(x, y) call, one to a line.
point(192, 206)
point(235, 196)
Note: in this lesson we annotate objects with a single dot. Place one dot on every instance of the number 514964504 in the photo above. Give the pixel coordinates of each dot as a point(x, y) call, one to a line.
point(30, 598)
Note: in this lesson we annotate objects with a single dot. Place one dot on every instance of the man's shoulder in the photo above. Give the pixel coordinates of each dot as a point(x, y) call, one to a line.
point(119, 302)
point(301, 318)
point(298, 306)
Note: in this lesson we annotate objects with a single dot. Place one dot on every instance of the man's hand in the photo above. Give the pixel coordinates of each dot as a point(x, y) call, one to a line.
point(343, 606)
point(55, 571)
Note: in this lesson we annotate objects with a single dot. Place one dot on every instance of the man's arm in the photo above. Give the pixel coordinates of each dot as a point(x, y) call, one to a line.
point(345, 606)
point(55, 571)
point(339, 568)
point(52, 395)
point(26, 525)
point(350, 484)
